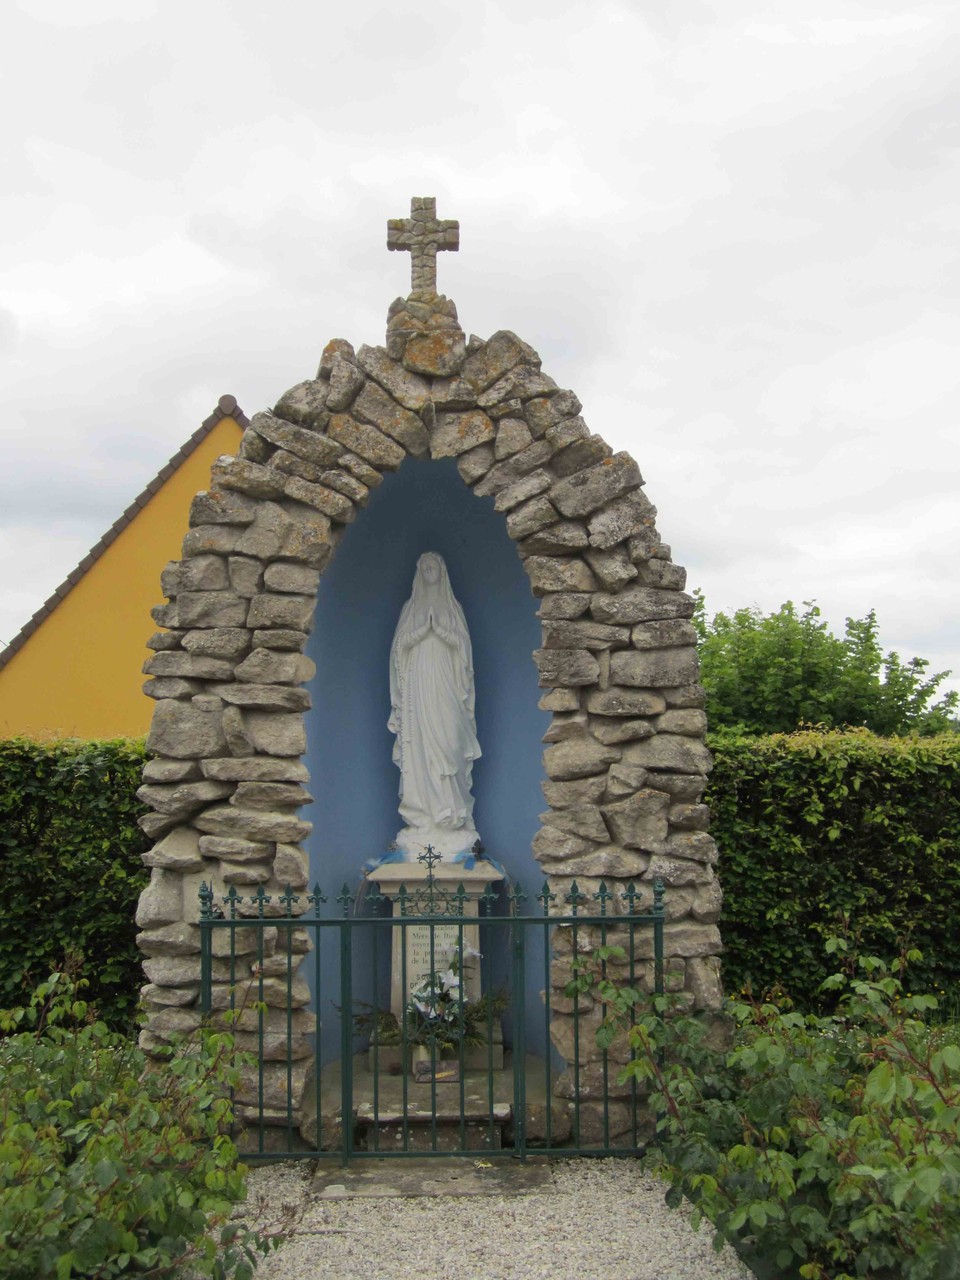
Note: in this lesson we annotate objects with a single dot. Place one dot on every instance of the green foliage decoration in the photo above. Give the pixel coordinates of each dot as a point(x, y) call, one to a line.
point(70, 866)
point(815, 828)
point(111, 1165)
point(772, 673)
point(822, 1147)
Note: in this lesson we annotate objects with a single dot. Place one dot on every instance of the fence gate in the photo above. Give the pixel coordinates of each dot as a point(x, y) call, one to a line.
point(439, 1025)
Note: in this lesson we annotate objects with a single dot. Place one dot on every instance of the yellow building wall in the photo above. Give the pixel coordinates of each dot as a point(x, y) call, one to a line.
point(79, 674)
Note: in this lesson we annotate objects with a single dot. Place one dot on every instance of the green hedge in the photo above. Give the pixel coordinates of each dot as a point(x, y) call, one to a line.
point(70, 867)
point(815, 826)
point(811, 826)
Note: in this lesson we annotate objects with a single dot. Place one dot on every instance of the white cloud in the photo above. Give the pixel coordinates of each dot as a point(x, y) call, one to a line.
point(729, 227)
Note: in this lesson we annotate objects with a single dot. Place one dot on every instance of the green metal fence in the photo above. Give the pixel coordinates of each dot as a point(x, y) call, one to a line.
point(468, 1058)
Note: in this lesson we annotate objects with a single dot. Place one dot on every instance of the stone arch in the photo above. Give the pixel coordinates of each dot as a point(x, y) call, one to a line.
point(625, 760)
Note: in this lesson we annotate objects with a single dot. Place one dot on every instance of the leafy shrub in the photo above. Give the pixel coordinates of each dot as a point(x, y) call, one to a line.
point(70, 867)
point(772, 673)
point(817, 827)
point(824, 1147)
point(109, 1164)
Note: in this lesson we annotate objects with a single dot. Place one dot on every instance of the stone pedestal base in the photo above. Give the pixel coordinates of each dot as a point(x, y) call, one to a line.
point(432, 893)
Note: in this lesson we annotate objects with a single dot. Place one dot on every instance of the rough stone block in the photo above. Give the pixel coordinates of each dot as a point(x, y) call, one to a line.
point(578, 758)
point(382, 411)
point(368, 442)
point(408, 388)
point(219, 539)
point(306, 404)
point(613, 568)
point(552, 844)
point(265, 697)
point(639, 822)
point(495, 358)
point(438, 354)
point(255, 769)
point(690, 721)
point(188, 665)
point(211, 609)
point(219, 506)
point(178, 851)
point(583, 635)
point(583, 493)
point(564, 605)
point(178, 939)
point(246, 575)
point(557, 539)
point(670, 751)
point(457, 433)
point(563, 726)
point(288, 611)
point(171, 687)
point(473, 466)
point(680, 872)
point(530, 516)
point(641, 604)
point(580, 455)
point(669, 633)
point(335, 347)
point(513, 434)
point(273, 734)
point(346, 483)
point(327, 501)
point(251, 824)
point(181, 798)
point(200, 573)
point(309, 540)
point(293, 578)
point(346, 381)
point(567, 432)
point(184, 731)
point(281, 638)
point(530, 486)
point(268, 666)
point(618, 521)
point(271, 795)
point(251, 478)
point(171, 771)
point(559, 700)
point(661, 573)
point(508, 472)
point(580, 819)
point(708, 900)
point(654, 668)
point(217, 642)
point(521, 383)
point(291, 866)
point(558, 573)
point(613, 729)
point(567, 667)
point(575, 792)
point(235, 849)
point(309, 445)
point(161, 902)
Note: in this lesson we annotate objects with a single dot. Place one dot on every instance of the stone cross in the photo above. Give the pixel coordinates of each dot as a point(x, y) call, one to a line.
point(423, 235)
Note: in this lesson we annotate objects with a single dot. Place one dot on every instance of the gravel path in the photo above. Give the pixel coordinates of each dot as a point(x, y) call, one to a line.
point(597, 1220)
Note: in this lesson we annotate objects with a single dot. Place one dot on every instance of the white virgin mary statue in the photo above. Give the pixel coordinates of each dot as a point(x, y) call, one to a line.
point(432, 714)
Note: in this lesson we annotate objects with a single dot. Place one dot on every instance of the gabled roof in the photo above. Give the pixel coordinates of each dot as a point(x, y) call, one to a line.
point(226, 408)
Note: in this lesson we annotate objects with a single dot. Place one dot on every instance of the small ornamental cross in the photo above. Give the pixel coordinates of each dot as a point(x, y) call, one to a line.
point(423, 236)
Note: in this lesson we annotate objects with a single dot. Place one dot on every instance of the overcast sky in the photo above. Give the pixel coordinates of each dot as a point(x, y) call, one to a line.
point(730, 227)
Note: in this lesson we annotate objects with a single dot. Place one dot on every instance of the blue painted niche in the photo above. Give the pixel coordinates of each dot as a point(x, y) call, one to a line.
point(425, 506)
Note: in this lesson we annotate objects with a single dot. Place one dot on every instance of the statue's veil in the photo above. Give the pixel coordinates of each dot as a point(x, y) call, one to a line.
point(435, 598)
